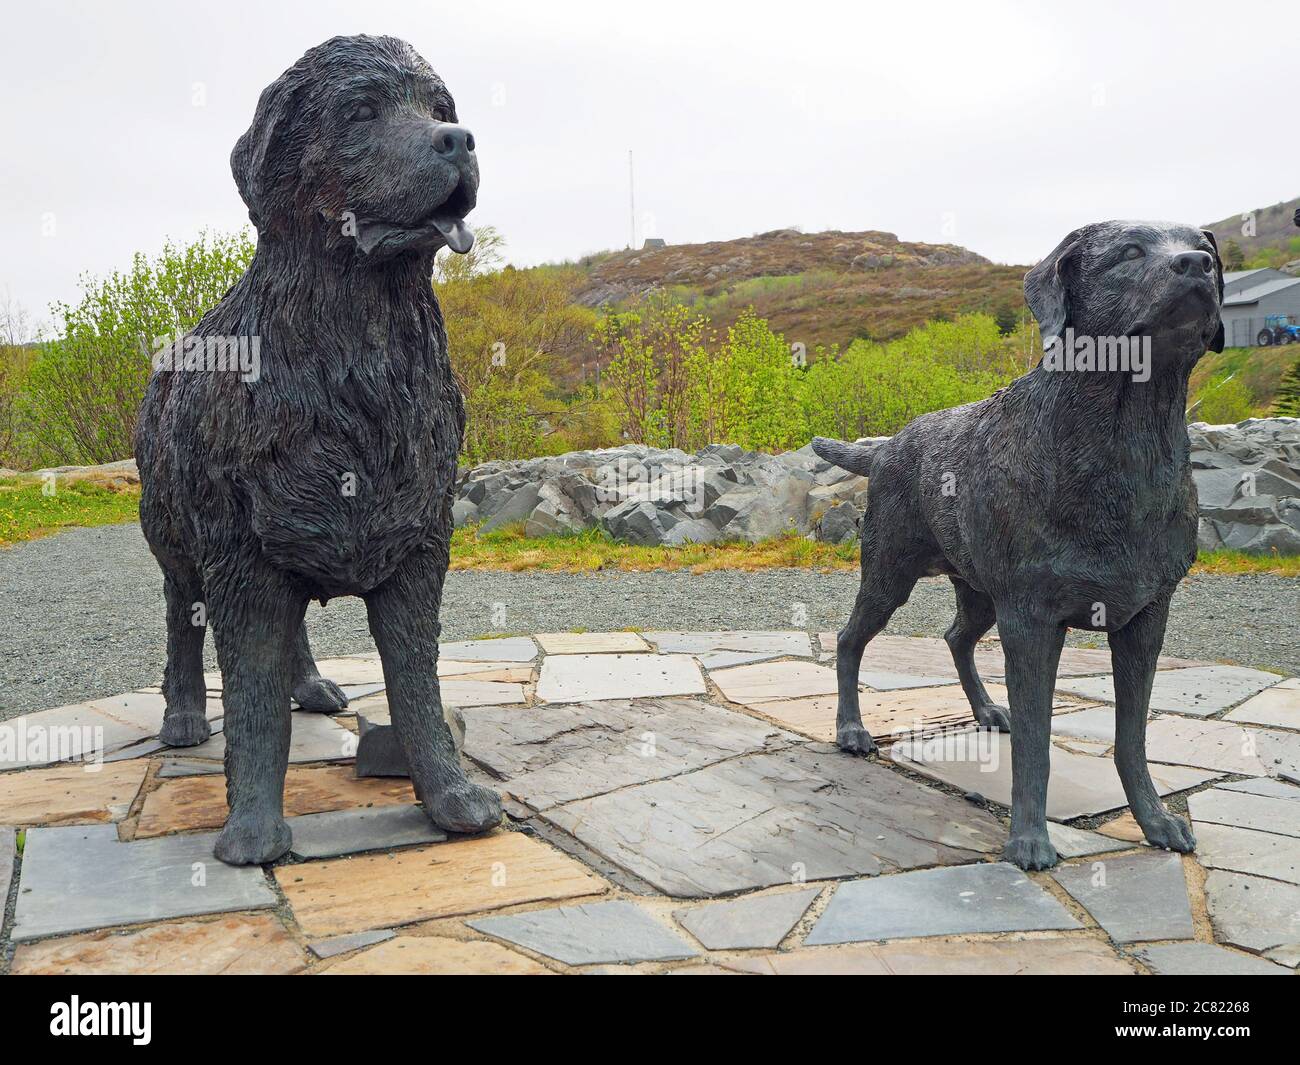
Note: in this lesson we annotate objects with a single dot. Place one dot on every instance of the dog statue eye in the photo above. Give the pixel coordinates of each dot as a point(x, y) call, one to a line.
point(364, 113)
point(1134, 251)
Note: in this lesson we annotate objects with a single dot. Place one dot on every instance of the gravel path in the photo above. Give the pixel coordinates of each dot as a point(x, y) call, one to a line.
point(81, 613)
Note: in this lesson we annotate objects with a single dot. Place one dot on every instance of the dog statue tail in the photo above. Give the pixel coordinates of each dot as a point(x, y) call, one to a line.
point(856, 458)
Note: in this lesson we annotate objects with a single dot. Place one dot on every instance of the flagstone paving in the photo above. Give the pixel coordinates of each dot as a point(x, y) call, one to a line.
point(992, 897)
point(598, 932)
point(75, 879)
point(673, 805)
point(235, 945)
point(1134, 897)
point(1080, 785)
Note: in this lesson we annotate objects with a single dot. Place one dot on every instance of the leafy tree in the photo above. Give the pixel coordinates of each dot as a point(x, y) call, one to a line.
point(1226, 402)
point(1287, 401)
point(83, 392)
point(1233, 257)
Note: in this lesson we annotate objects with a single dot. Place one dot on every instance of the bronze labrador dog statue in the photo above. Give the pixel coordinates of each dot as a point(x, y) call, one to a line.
point(329, 470)
point(1063, 500)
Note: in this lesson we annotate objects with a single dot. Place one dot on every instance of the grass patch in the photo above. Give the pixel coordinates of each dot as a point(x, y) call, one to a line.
point(1238, 562)
point(26, 513)
point(592, 551)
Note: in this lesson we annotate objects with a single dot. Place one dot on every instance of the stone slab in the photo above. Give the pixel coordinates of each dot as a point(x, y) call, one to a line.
point(1223, 745)
point(1242, 851)
point(555, 754)
point(78, 879)
point(336, 945)
point(1096, 723)
point(238, 945)
point(723, 659)
point(1277, 789)
point(747, 923)
point(1041, 956)
point(591, 643)
point(775, 642)
point(448, 667)
point(188, 767)
point(312, 738)
point(504, 649)
point(1080, 785)
point(437, 956)
point(1253, 913)
point(462, 692)
point(344, 895)
point(579, 678)
point(767, 819)
point(352, 669)
point(67, 733)
point(1199, 691)
point(1205, 959)
point(1263, 813)
point(70, 794)
point(767, 681)
point(1278, 706)
point(1135, 898)
point(988, 897)
point(882, 681)
point(337, 832)
point(144, 710)
point(599, 932)
point(1079, 843)
point(187, 804)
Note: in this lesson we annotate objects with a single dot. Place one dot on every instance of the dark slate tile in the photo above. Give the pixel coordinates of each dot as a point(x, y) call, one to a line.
point(589, 934)
point(77, 879)
point(807, 813)
point(1135, 898)
point(742, 924)
point(989, 897)
point(339, 832)
point(1205, 959)
point(331, 948)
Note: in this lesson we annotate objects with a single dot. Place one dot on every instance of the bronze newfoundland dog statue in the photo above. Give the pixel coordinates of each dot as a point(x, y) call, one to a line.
point(327, 469)
point(1064, 500)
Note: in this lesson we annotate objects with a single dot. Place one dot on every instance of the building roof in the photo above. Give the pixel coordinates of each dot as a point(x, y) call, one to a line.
point(1254, 293)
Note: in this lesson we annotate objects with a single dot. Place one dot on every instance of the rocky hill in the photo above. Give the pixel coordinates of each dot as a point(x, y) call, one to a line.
point(818, 288)
point(1275, 232)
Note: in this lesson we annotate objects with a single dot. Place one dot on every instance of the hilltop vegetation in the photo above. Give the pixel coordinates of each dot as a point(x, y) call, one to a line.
point(762, 342)
point(1266, 236)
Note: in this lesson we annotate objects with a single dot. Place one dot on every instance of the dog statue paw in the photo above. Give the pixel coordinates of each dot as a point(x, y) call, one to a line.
point(992, 716)
point(1031, 852)
point(253, 839)
point(185, 730)
point(1170, 832)
point(854, 739)
point(320, 695)
point(464, 808)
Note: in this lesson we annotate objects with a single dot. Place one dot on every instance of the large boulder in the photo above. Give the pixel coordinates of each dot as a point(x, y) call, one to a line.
point(638, 522)
point(839, 524)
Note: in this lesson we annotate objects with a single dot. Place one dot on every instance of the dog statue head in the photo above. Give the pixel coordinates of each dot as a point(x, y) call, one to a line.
point(1123, 279)
point(359, 142)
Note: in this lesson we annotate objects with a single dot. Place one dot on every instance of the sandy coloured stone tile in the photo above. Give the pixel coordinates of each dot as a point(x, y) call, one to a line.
point(1278, 706)
point(186, 804)
point(774, 642)
point(70, 794)
point(590, 643)
point(503, 649)
point(583, 678)
point(238, 945)
point(768, 681)
point(442, 880)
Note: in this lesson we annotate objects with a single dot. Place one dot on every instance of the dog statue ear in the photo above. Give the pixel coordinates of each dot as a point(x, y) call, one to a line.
point(260, 160)
point(1047, 288)
point(1219, 337)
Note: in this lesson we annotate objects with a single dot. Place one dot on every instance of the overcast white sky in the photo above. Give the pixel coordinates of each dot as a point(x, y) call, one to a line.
point(997, 125)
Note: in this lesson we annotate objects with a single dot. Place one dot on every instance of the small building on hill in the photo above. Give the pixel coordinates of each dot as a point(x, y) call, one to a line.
point(1251, 298)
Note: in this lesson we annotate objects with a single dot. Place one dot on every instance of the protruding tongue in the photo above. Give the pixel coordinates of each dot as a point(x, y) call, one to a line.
point(459, 237)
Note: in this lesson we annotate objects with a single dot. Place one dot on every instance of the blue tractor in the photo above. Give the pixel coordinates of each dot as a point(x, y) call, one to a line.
point(1279, 329)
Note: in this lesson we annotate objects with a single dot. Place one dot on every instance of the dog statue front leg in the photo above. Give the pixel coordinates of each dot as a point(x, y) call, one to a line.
point(253, 622)
point(1033, 651)
point(310, 689)
point(403, 615)
point(1134, 650)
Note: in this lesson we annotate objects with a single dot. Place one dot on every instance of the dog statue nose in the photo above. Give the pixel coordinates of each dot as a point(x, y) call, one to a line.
point(453, 142)
point(1189, 262)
